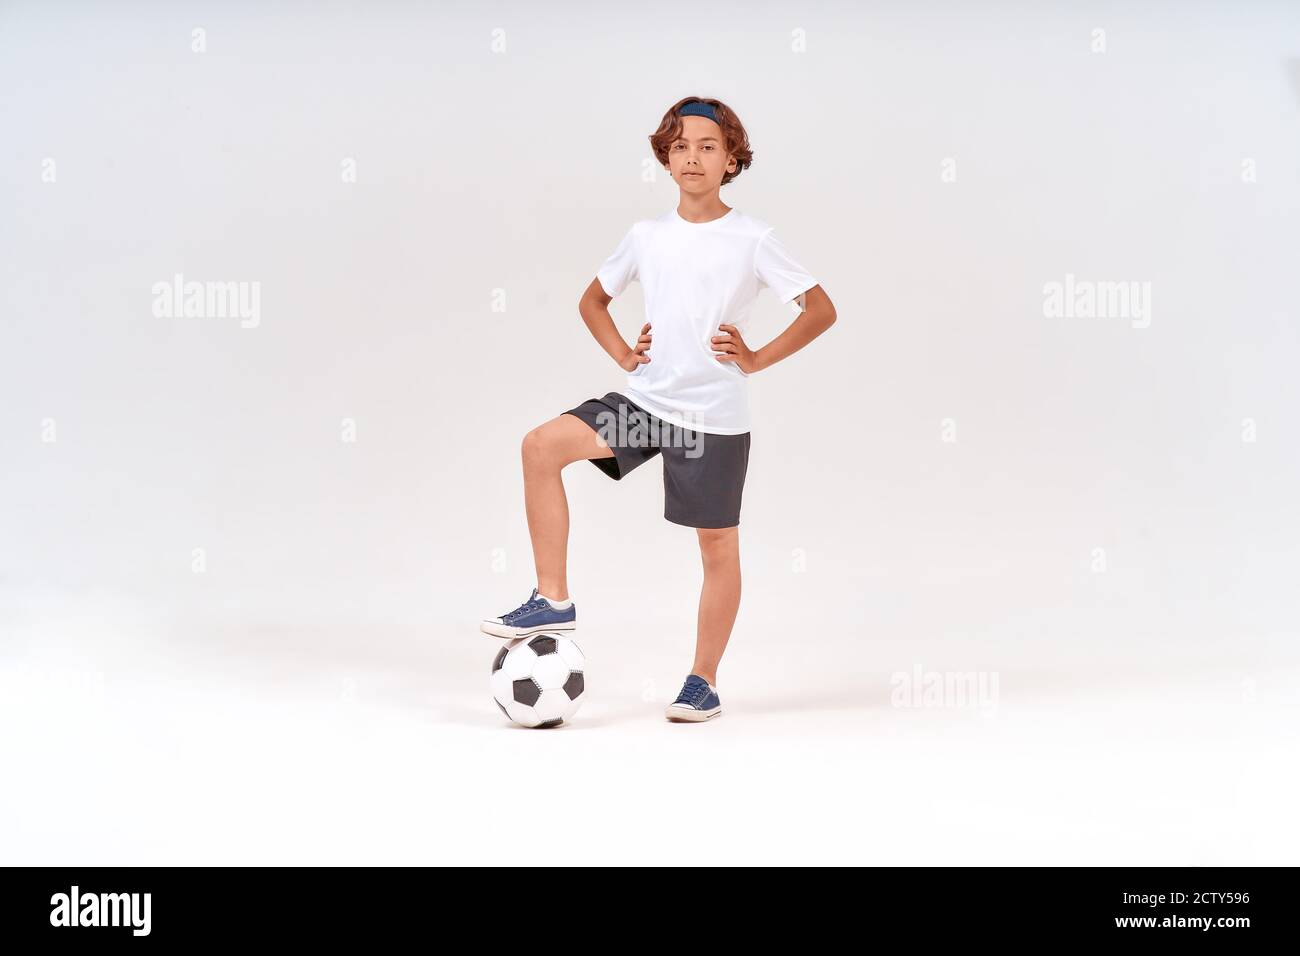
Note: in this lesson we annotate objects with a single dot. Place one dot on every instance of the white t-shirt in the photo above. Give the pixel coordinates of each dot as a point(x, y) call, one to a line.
point(697, 276)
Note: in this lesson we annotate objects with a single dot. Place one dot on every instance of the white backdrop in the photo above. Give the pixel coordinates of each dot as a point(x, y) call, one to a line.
point(243, 556)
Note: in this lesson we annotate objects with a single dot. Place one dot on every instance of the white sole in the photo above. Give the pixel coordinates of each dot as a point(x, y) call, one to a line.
point(688, 715)
point(505, 630)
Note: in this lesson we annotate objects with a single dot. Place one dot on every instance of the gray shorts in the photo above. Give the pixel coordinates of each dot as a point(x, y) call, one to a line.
point(704, 474)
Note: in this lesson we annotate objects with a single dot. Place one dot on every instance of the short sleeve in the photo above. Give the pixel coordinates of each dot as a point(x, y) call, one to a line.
point(777, 270)
point(621, 267)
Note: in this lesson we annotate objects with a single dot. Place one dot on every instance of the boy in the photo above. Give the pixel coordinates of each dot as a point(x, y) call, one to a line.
point(701, 266)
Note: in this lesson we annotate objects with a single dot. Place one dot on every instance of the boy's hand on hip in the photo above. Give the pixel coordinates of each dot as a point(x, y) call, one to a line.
point(730, 347)
point(638, 354)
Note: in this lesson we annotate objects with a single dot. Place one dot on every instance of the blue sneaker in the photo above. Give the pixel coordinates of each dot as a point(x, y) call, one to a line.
point(698, 701)
point(534, 615)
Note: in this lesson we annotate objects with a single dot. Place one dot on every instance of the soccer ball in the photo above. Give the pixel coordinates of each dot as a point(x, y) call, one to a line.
point(537, 681)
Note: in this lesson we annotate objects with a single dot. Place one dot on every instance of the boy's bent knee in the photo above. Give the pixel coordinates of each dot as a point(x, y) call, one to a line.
point(535, 448)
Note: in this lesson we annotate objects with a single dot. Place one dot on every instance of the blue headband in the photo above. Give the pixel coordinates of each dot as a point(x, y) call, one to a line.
point(696, 108)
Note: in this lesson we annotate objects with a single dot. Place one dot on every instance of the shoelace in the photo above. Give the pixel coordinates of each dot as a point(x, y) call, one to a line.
point(693, 693)
point(523, 609)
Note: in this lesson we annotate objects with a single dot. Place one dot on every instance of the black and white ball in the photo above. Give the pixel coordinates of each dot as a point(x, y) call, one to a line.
point(538, 681)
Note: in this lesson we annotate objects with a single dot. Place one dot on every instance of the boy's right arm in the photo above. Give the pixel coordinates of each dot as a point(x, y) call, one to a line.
point(594, 309)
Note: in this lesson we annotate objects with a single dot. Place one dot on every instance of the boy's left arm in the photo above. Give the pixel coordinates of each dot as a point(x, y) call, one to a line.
point(817, 316)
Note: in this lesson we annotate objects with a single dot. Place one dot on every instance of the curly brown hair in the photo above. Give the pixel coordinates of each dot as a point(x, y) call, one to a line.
point(735, 141)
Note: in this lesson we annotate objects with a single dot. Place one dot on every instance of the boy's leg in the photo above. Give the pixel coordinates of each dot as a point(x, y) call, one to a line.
point(545, 451)
point(719, 598)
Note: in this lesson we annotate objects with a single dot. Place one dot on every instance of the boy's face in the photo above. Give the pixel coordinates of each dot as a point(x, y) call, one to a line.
point(696, 159)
